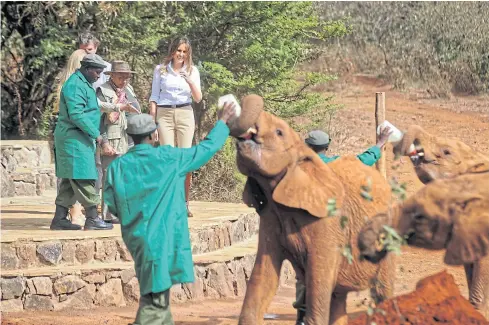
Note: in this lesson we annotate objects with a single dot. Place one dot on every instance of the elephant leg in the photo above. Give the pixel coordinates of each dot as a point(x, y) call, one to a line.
point(479, 287)
point(264, 278)
point(320, 282)
point(383, 284)
point(338, 315)
point(469, 271)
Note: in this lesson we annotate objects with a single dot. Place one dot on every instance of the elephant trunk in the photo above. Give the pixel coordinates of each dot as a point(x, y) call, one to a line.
point(251, 108)
point(371, 237)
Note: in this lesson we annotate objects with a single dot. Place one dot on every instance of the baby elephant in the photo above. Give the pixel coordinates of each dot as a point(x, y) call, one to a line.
point(452, 212)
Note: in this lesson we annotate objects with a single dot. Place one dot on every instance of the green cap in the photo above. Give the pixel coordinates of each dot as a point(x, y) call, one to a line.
point(318, 138)
point(93, 61)
point(140, 124)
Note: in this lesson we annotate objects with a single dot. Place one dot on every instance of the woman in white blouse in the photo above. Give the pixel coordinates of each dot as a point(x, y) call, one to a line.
point(176, 82)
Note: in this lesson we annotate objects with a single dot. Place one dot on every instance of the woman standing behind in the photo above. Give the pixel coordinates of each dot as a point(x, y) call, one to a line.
point(72, 65)
point(175, 83)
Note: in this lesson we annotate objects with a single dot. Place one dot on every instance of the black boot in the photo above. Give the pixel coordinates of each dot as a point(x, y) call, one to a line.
point(300, 317)
point(60, 220)
point(94, 222)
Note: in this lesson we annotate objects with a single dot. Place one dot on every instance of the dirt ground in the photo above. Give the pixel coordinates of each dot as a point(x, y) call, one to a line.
point(466, 118)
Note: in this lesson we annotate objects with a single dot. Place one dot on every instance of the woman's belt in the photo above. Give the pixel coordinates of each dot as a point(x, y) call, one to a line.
point(174, 106)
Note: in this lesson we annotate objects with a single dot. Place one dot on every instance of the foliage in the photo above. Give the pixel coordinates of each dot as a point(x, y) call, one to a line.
point(239, 48)
point(443, 46)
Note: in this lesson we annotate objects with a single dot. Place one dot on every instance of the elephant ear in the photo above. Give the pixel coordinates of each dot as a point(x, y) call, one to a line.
point(469, 240)
point(309, 186)
point(253, 195)
point(478, 167)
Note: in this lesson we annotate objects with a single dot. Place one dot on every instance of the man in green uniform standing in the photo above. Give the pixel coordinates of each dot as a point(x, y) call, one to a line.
point(76, 136)
point(145, 189)
point(319, 141)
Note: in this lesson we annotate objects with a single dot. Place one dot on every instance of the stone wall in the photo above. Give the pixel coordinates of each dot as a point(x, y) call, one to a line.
point(22, 254)
point(119, 287)
point(27, 168)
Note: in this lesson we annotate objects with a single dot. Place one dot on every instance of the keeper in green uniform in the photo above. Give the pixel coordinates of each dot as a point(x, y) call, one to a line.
point(144, 188)
point(319, 141)
point(75, 137)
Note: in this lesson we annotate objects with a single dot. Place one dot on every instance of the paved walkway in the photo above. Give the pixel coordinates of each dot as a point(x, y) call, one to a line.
point(30, 217)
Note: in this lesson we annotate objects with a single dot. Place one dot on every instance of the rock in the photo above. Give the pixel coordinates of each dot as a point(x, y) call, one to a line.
point(69, 249)
point(25, 158)
point(43, 286)
point(62, 298)
point(26, 177)
point(177, 294)
point(195, 290)
point(113, 274)
point(105, 250)
point(12, 288)
point(26, 253)
point(94, 278)
point(13, 305)
point(82, 299)
point(9, 258)
point(220, 280)
point(131, 290)
point(436, 300)
point(25, 189)
point(123, 251)
point(50, 252)
point(248, 263)
point(127, 275)
point(36, 302)
point(85, 251)
point(238, 231)
point(110, 294)
point(7, 185)
point(68, 284)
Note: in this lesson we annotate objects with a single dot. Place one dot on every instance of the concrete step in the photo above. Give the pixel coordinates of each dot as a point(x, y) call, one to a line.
point(219, 274)
point(27, 242)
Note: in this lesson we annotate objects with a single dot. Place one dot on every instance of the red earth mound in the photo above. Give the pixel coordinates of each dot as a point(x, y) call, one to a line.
point(436, 300)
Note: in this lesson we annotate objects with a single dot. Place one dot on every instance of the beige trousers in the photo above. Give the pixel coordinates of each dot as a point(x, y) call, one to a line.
point(181, 120)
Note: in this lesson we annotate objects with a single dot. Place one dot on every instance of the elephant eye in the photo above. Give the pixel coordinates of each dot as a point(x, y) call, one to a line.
point(418, 217)
point(446, 152)
point(279, 132)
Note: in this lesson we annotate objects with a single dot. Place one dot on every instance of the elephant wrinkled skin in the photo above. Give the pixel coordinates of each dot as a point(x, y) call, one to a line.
point(291, 189)
point(451, 212)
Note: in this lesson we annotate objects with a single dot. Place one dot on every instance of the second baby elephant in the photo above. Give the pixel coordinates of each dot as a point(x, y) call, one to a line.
point(451, 212)
point(310, 214)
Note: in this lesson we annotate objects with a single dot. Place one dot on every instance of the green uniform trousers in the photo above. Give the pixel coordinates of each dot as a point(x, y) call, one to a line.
point(300, 295)
point(154, 309)
point(81, 190)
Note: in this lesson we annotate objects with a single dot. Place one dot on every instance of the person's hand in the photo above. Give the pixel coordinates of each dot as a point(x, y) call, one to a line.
point(228, 112)
point(384, 136)
point(99, 140)
point(108, 150)
point(130, 109)
point(185, 76)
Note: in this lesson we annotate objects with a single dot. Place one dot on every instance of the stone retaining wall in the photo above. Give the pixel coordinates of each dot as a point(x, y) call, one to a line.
point(119, 287)
point(27, 168)
point(27, 254)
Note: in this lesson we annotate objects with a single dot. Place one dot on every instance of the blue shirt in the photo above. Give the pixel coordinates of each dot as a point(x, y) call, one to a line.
point(369, 157)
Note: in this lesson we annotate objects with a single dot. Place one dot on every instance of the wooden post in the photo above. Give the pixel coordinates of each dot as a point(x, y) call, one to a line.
point(379, 119)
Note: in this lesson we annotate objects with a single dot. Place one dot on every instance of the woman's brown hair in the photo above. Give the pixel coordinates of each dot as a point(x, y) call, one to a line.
point(173, 48)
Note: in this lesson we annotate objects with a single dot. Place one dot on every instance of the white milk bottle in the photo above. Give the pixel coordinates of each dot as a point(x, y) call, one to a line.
point(396, 134)
point(229, 98)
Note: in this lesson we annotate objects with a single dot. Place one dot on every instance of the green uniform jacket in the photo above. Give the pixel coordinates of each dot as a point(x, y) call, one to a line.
point(145, 189)
point(76, 129)
point(369, 157)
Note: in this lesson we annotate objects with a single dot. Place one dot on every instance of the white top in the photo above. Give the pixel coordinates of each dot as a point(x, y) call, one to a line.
point(103, 77)
point(169, 88)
